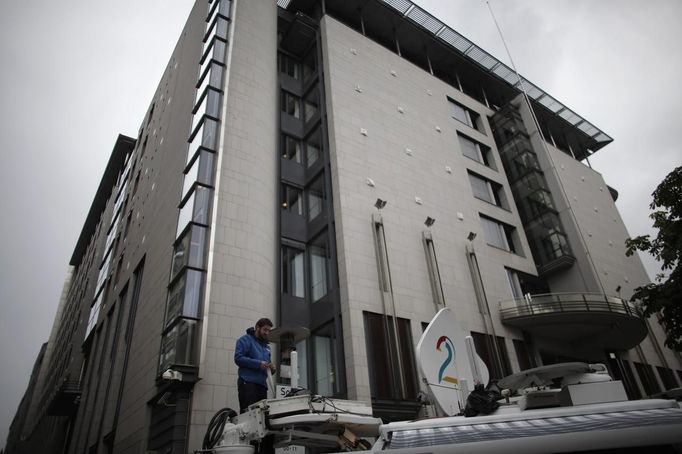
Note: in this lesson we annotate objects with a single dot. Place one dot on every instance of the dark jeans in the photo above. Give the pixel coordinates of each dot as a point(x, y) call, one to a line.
point(250, 393)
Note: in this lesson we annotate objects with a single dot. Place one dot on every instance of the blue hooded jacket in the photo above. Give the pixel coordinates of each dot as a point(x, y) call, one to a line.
point(248, 354)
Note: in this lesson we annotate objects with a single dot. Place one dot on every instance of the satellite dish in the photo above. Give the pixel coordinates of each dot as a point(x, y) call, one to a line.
point(449, 363)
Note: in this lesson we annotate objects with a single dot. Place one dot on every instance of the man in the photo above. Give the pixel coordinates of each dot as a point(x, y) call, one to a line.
point(252, 355)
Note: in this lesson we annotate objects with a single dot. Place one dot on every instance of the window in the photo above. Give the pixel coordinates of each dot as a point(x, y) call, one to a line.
point(309, 66)
point(319, 268)
point(487, 351)
point(324, 344)
point(291, 104)
point(184, 296)
point(514, 283)
point(178, 346)
point(291, 149)
point(522, 355)
point(667, 377)
point(189, 250)
point(289, 66)
point(312, 102)
point(474, 150)
point(382, 357)
point(499, 235)
point(316, 197)
point(195, 208)
point(465, 115)
point(646, 376)
point(312, 148)
point(292, 199)
point(293, 282)
point(487, 190)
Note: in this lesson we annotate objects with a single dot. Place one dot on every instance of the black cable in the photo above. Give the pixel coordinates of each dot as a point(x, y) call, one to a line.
point(215, 428)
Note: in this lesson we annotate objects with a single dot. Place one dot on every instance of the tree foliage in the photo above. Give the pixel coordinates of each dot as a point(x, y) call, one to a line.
point(664, 296)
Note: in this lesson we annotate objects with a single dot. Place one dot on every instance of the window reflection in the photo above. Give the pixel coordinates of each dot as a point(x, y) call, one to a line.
point(291, 149)
point(324, 345)
point(292, 199)
point(313, 148)
point(293, 282)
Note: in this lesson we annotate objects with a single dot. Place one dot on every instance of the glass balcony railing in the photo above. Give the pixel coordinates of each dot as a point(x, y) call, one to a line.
point(552, 303)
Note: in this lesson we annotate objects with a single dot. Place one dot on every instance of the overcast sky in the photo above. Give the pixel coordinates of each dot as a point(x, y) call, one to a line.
point(76, 73)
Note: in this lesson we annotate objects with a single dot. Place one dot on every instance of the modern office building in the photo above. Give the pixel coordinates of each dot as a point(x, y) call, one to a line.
point(350, 167)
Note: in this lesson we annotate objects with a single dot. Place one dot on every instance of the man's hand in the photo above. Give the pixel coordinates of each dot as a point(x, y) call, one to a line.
point(266, 365)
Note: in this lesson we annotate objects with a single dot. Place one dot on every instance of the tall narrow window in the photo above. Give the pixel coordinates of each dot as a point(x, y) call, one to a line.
point(293, 282)
point(514, 284)
point(315, 198)
point(292, 199)
point(319, 268)
point(382, 357)
point(465, 115)
point(486, 350)
point(487, 190)
point(291, 104)
point(291, 149)
point(311, 104)
point(312, 148)
point(476, 151)
point(499, 234)
point(324, 345)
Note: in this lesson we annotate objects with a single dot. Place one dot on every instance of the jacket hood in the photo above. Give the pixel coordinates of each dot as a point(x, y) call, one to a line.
point(251, 331)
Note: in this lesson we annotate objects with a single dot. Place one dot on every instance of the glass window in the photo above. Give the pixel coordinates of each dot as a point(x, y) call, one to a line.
point(464, 115)
point(207, 104)
point(481, 188)
point(292, 199)
point(183, 296)
point(324, 345)
point(311, 104)
point(293, 282)
point(291, 104)
point(178, 346)
point(487, 190)
point(499, 234)
point(195, 208)
point(291, 149)
point(494, 233)
point(486, 350)
point(474, 150)
point(319, 268)
point(289, 66)
point(514, 284)
point(381, 339)
point(309, 66)
point(201, 171)
point(316, 198)
point(189, 251)
point(313, 148)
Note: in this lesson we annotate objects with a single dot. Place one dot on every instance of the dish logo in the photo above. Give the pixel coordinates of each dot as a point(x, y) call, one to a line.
point(450, 349)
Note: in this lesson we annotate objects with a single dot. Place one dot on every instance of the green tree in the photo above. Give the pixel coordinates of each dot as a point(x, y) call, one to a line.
point(664, 296)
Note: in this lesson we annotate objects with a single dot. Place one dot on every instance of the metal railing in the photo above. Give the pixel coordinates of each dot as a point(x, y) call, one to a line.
point(549, 303)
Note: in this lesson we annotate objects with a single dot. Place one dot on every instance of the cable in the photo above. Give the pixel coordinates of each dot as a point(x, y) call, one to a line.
point(215, 428)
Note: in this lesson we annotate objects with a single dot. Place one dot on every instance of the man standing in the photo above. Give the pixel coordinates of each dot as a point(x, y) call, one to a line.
point(252, 355)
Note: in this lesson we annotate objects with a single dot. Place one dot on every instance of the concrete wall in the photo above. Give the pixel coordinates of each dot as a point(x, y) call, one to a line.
point(244, 253)
point(399, 178)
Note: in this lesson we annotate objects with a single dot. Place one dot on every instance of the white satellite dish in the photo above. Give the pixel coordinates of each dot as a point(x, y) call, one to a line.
point(449, 363)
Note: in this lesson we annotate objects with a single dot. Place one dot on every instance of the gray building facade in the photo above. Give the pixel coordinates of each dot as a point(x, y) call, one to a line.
point(350, 167)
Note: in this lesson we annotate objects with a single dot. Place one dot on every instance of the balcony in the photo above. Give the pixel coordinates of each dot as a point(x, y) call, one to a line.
point(64, 401)
point(587, 319)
